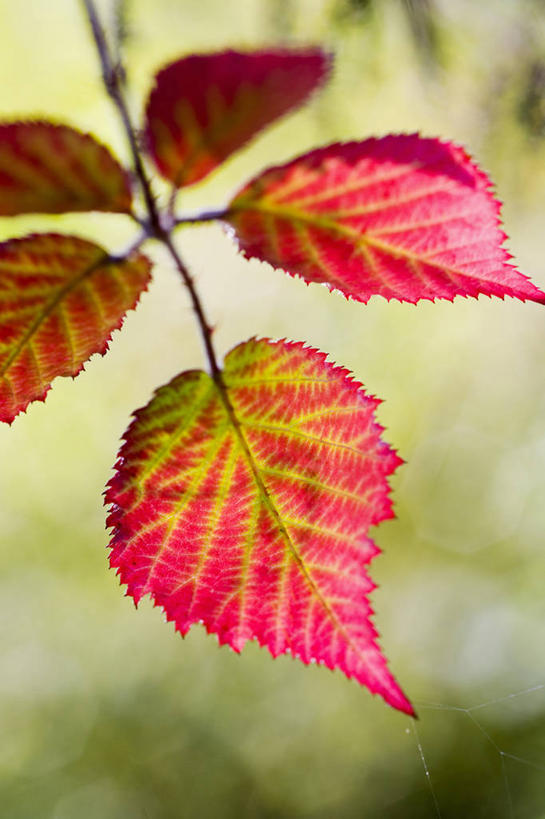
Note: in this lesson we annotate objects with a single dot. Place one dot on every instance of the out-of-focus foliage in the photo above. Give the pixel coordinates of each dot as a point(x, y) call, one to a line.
point(421, 18)
point(105, 712)
point(204, 107)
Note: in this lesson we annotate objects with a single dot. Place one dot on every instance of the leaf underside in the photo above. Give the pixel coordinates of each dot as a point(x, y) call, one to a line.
point(48, 168)
point(206, 106)
point(246, 507)
point(60, 299)
point(403, 217)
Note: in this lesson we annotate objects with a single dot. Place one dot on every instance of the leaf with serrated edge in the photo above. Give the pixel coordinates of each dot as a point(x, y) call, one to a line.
point(403, 217)
point(245, 505)
point(60, 299)
point(206, 106)
point(49, 168)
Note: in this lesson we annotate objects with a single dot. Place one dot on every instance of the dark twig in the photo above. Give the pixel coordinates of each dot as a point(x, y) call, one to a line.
point(205, 216)
point(205, 328)
point(156, 227)
point(133, 247)
point(112, 78)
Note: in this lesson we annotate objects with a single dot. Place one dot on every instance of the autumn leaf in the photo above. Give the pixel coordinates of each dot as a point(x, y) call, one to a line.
point(402, 217)
point(60, 299)
point(206, 106)
point(47, 168)
point(244, 503)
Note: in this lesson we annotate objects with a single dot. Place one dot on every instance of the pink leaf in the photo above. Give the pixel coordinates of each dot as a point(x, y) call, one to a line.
point(206, 106)
point(245, 503)
point(402, 217)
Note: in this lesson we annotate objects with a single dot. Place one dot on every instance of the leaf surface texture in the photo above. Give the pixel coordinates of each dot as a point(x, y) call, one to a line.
point(246, 507)
point(403, 217)
point(60, 299)
point(206, 106)
point(47, 168)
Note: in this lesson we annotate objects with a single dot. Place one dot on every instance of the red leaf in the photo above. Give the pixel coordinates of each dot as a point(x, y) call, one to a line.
point(246, 507)
point(403, 217)
point(206, 106)
point(60, 299)
point(47, 168)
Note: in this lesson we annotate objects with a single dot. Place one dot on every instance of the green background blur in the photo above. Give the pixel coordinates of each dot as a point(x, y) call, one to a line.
point(105, 713)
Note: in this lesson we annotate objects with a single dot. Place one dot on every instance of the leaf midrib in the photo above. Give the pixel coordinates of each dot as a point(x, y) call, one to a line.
point(331, 226)
point(269, 503)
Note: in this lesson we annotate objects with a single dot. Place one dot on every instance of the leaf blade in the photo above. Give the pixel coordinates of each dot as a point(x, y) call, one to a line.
point(255, 523)
point(206, 106)
point(50, 168)
point(61, 297)
point(404, 217)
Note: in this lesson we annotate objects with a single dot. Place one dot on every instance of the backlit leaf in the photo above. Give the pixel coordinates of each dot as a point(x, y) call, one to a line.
point(47, 168)
point(403, 217)
point(60, 299)
point(245, 505)
point(206, 106)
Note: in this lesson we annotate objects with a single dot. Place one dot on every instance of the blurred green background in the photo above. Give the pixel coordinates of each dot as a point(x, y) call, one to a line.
point(105, 713)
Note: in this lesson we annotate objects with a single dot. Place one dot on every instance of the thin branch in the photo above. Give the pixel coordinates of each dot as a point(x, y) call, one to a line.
point(132, 248)
point(205, 216)
point(112, 78)
point(205, 328)
point(160, 229)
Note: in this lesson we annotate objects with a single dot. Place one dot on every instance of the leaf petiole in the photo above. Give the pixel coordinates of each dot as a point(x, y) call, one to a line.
point(205, 216)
